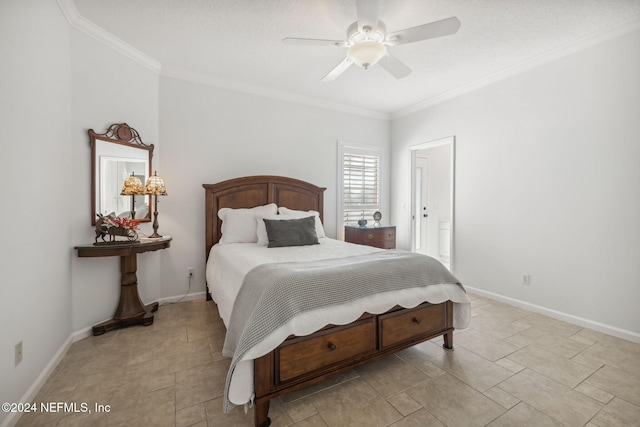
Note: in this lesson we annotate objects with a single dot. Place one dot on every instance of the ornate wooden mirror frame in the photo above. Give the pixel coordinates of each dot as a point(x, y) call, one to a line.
point(116, 154)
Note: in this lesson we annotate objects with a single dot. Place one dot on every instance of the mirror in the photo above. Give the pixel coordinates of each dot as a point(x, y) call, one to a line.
point(117, 154)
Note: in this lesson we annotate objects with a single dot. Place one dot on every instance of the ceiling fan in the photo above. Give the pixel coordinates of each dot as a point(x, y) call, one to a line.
point(367, 40)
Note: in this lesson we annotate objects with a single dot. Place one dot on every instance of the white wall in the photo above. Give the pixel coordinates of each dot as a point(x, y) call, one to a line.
point(106, 88)
point(211, 134)
point(547, 183)
point(58, 83)
point(35, 159)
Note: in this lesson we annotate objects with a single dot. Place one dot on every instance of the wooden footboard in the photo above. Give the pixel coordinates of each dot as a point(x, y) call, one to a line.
point(302, 361)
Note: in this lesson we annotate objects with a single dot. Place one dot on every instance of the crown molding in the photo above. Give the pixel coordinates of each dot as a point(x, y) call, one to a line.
point(89, 28)
point(84, 25)
point(209, 80)
point(597, 37)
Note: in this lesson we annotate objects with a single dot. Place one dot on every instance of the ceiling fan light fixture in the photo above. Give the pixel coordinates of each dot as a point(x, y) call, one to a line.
point(366, 53)
point(367, 40)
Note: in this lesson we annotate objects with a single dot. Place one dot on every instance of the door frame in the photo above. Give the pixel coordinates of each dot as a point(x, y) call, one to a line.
point(423, 230)
point(413, 152)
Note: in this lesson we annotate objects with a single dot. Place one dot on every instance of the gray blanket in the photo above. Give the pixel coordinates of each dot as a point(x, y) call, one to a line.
point(272, 294)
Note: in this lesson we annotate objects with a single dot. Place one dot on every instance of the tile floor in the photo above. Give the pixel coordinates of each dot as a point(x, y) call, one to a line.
point(510, 368)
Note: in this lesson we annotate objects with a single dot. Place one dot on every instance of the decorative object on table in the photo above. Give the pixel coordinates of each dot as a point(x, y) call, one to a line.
point(112, 226)
point(132, 187)
point(362, 222)
point(155, 187)
point(377, 216)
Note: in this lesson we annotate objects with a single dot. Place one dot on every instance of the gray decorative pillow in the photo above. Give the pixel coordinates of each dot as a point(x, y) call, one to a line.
point(291, 232)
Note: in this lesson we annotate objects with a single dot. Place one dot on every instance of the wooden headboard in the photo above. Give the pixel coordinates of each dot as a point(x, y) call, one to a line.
point(251, 191)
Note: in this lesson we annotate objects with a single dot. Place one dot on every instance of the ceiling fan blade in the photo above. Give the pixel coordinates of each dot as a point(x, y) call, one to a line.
point(339, 69)
point(312, 42)
point(368, 11)
point(442, 28)
point(394, 66)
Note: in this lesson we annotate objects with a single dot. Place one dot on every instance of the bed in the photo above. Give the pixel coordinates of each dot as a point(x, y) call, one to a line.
point(289, 361)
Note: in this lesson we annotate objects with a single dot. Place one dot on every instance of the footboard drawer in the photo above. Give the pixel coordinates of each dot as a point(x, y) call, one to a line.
point(405, 325)
point(331, 348)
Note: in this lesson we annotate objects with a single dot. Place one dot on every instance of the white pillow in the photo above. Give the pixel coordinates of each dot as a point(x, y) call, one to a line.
point(303, 214)
point(239, 225)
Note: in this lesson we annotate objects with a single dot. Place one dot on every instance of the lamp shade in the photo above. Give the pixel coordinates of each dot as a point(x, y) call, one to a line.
point(366, 53)
point(155, 185)
point(132, 186)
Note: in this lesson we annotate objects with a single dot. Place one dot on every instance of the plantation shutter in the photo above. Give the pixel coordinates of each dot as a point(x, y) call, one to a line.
point(361, 187)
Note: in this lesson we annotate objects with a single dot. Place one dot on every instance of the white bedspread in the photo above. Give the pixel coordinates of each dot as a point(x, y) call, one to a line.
point(229, 263)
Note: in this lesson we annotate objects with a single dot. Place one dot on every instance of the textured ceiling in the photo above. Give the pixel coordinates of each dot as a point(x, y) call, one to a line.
point(239, 41)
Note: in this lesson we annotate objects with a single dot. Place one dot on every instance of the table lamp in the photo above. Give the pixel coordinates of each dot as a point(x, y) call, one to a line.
point(155, 187)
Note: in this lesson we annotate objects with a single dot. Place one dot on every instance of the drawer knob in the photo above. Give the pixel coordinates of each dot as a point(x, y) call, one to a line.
point(369, 236)
point(417, 321)
point(331, 346)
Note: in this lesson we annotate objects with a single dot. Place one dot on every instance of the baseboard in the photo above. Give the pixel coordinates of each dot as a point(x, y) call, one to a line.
point(30, 395)
point(596, 326)
point(183, 298)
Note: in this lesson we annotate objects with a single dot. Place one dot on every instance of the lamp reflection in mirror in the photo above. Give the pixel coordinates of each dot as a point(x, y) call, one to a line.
point(132, 187)
point(155, 187)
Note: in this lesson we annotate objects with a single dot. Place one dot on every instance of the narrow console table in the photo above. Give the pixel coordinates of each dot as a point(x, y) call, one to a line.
point(131, 310)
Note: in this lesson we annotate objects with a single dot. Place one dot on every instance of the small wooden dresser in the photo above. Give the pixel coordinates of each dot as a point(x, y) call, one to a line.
point(379, 237)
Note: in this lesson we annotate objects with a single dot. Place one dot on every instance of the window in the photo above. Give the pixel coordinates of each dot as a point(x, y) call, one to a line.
point(359, 191)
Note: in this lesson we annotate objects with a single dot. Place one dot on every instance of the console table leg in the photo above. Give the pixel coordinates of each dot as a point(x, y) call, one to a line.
point(131, 310)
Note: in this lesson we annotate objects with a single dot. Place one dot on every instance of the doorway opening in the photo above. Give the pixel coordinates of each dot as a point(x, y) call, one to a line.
point(432, 199)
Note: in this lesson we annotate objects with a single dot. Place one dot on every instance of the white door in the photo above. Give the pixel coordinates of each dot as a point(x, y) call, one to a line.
point(433, 171)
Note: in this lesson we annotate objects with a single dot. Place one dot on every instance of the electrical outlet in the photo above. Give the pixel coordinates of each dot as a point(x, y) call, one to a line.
point(526, 279)
point(190, 271)
point(18, 353)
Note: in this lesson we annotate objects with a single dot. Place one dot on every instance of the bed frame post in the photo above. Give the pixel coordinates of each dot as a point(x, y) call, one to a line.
point(448, 336)
point(262, 386)
point(448, 341)
point(261, 413)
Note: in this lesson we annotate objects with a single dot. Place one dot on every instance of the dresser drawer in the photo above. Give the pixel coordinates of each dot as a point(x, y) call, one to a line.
point(385, 244)
point(405, 325)
point(327, 350)
point(373, 235)
point(382, 237)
